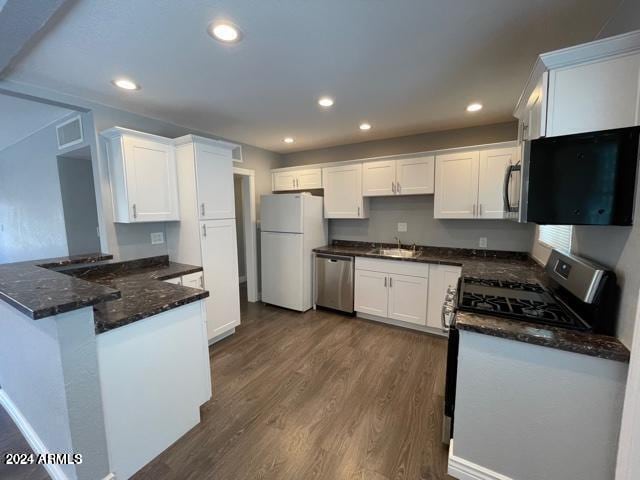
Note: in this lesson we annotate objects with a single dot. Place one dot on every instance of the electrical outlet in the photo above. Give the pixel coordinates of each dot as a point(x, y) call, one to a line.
point(402, 227)
point(483, 242)
point(157, 238)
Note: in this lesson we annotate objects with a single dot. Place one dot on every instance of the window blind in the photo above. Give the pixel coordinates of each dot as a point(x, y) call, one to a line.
point(556, 236)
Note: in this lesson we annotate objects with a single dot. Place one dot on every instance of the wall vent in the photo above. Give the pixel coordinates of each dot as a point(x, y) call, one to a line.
point(69, 132)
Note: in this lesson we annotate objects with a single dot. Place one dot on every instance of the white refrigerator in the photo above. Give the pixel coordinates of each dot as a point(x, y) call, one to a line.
point(291, 225)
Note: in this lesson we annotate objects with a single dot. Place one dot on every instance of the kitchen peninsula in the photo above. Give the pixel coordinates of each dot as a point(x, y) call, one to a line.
point(119, 357)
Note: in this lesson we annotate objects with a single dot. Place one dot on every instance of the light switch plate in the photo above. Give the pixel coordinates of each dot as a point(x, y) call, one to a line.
point(157, 238)
point(483, 242)
point(402, 226)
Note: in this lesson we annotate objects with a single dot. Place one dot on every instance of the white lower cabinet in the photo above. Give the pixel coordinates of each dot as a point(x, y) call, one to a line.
point(408, 299)
point(441, 277)
point(410, 294)
point(220, 264)
point(193, 280)
point(370, 295)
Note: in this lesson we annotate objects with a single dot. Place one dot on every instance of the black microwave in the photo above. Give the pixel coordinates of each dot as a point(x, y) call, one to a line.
point(581, 179)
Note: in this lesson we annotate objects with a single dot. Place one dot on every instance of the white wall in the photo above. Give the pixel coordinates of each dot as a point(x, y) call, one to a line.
point(31, 214)
point(49, 371)
point(237, 190)
point(535, 413)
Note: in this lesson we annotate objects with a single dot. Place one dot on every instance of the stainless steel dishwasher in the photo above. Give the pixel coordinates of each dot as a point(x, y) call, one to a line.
point(334, 282)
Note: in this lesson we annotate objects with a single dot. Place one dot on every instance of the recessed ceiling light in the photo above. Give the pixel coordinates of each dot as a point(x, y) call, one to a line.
point(126, 84)
point(474, 107)
point(225, 32)
point(365, 126)
point(325, 101)
point(288, 139)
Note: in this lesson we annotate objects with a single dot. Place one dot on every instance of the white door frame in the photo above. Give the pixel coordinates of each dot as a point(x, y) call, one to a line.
point(249, 223)
point(628, 465)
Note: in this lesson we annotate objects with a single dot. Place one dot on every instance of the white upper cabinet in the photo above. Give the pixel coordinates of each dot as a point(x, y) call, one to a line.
point(379, 178)
point(493, 165)
point(343, 192)
point(415, 175)
point(588, 87)
point(470, 184)
point(595, 96)
point(214, 181)
point(406, 176)
point(307, 179)
point(456, 192)
point(142, 173)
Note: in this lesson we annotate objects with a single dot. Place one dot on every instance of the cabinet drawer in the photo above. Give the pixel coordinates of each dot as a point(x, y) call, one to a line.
point(398, 267)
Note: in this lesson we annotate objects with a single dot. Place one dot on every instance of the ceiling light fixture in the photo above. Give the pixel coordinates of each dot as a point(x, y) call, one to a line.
point(126, 84)
point(225, 32)
point(325, 101)
point(365, 126)
point(288, 139)
point(474, 107)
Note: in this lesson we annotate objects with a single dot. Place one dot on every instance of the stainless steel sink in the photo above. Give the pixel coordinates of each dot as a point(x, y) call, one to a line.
point(396, 252)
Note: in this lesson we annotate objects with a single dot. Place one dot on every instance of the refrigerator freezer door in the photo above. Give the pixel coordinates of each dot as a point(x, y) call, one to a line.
point(282, 270)
point(281, 213)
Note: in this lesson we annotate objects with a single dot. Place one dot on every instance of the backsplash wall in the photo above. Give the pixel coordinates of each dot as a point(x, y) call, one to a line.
point(422, 229)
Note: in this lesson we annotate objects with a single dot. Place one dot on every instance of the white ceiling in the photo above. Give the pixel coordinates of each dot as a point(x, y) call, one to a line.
point(20, 118)
point(405, 66)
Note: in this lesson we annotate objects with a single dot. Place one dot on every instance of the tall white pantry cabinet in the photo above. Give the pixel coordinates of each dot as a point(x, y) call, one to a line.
point(206, 234)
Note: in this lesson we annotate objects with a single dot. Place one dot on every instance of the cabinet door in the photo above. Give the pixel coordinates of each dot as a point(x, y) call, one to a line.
point(415, 176)
point(595, 96)
point(493, 165)
point(152, 184)
point(456, 189)
point(220, 264)
point(343, 191)
point(441, 277)
point(283, 181)
point(370, 293)
point(175, 281)
point(378, 178)
point(536, 123)
point(193, 280)
point(214, 177)
point(408, 299)
point(309, 179)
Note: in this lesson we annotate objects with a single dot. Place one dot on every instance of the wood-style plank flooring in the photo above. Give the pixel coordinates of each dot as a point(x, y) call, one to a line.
point(315, 396)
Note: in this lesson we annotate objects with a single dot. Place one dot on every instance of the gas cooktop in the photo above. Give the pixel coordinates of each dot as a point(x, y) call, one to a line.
point(530, 302)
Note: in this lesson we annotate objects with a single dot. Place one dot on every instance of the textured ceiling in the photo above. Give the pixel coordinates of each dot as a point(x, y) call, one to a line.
point(404, 66)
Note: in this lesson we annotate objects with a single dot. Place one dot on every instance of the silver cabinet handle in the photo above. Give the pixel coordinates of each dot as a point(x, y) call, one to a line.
point(398, 188)
point(385, 281)
point(202, 209)
point(135, 211)
point(358, 211)
point(480, 210)
point(474, 209)
point(390, 282)
point(393, 187)
point(204, 230)
point(293, 181)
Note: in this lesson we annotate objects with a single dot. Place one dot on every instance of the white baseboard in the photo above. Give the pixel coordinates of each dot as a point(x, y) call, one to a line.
point(30, 435)
point(398, 323)
point(465, 470)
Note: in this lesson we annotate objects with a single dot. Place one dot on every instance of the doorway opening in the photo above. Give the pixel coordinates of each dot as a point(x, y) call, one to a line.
point(245, 198)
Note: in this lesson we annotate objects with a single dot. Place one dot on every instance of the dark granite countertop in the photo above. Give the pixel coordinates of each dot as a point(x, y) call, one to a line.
point(121, 292)
point(514, 266)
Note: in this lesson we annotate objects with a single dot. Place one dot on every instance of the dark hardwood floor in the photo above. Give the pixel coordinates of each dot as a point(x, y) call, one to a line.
point(315, 396)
